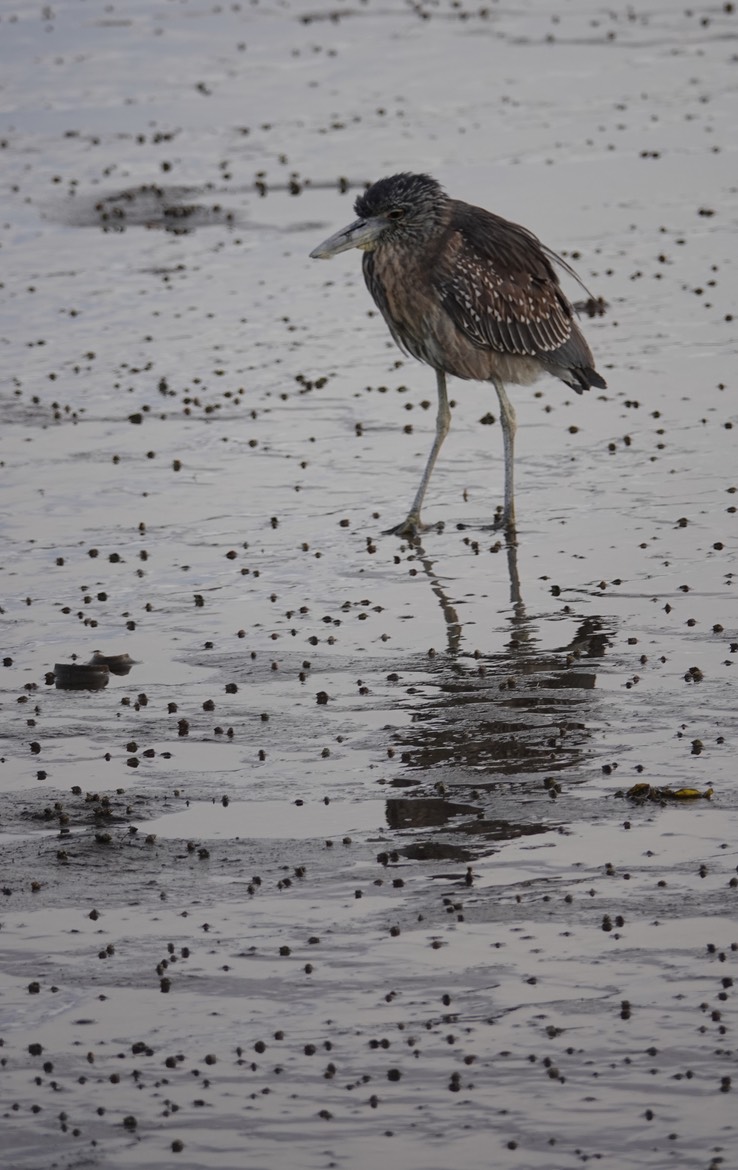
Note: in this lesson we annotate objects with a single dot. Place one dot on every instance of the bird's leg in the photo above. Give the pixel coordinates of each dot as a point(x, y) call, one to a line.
point(411, 525)
point(509, 427)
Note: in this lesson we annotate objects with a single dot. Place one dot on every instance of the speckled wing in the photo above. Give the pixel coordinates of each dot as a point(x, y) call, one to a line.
point(499, 287)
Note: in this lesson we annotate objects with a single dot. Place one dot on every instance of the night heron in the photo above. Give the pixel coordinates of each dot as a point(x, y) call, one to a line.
point(468, 293)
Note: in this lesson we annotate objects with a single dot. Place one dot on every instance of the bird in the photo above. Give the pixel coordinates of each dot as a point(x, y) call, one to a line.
point(469, 293)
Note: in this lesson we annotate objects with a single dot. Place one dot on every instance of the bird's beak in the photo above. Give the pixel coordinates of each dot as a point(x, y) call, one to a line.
point(363, 233)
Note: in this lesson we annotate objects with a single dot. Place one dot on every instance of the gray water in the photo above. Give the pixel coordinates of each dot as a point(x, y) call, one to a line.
point(345, 868)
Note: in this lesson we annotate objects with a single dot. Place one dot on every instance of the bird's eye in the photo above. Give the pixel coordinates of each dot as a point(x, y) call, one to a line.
point(396, 213)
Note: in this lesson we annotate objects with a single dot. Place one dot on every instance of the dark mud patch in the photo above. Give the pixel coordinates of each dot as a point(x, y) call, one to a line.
point(178, 210)
point(181, 209)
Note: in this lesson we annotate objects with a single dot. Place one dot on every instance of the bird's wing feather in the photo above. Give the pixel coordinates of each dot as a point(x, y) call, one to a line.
point(497, 284)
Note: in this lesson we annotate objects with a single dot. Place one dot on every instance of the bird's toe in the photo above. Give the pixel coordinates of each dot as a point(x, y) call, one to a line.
point(410, 528)
point(502, 522)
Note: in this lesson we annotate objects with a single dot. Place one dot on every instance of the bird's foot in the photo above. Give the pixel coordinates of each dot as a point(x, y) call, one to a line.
point(410, 528)
point(503, 522)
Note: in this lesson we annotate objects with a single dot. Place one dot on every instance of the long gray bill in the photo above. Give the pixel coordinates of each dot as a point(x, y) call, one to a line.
point(363, 233)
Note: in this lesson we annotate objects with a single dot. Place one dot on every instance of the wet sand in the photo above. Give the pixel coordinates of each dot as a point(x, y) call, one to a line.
point(346, 868)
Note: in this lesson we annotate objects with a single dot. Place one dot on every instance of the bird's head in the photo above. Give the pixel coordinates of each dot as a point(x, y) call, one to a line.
point(403, 209)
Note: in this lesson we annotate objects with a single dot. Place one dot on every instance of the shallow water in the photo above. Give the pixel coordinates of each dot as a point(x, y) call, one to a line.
point(344, 868)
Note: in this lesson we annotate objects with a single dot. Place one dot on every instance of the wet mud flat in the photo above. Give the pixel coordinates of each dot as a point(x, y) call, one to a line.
point(423, 852)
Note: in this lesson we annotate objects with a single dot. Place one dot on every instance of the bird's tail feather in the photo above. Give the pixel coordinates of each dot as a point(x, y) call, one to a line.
point(581, 378)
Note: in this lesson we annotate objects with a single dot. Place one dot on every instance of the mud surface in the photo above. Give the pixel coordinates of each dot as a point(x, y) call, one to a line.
point(344, 868)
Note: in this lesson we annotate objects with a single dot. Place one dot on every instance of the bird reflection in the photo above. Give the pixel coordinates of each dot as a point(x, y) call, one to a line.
point(501, 730)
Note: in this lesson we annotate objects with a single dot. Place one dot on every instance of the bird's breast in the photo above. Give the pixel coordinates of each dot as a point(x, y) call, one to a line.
point(404, 295)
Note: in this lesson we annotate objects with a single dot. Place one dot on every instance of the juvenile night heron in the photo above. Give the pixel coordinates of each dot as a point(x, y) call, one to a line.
point(468, 293)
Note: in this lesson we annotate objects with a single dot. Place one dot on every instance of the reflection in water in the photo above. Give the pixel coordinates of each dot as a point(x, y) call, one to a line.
point(497, 722)
point(468, 828)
